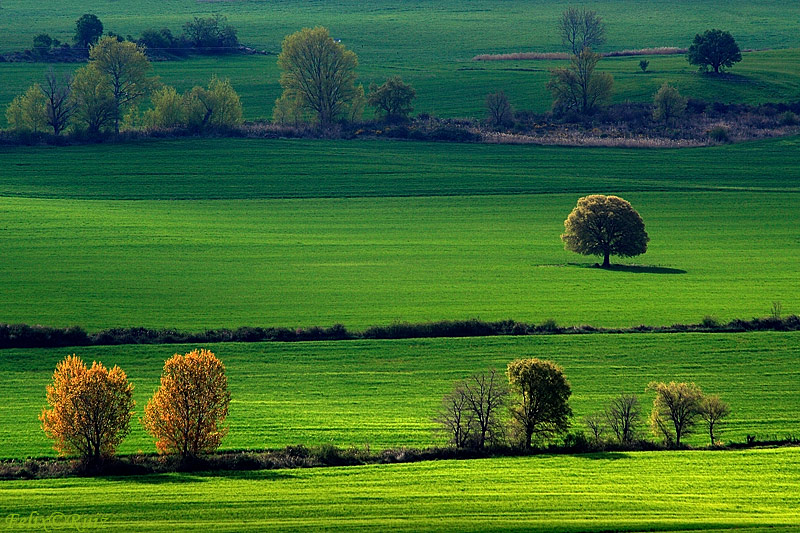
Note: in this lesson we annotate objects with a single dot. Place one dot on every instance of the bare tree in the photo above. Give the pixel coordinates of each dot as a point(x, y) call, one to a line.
point(469, 413)
point(60, 106)
point(581, 28)
point(498, 108)
point(596, 424)
point(454, 417)
point(485, 394)
point(624, 417)
point(675, 409)
point(578, 87)
point(713, 410)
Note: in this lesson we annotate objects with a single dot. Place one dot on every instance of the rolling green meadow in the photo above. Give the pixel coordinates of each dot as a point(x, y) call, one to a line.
point(199, 233)
point(679, 491)
point(223, 233)
point(431, 45)
point(385, 393)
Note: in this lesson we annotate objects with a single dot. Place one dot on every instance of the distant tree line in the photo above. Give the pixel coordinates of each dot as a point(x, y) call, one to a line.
point(27, 336)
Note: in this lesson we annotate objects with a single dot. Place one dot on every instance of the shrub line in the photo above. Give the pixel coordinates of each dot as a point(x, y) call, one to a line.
point(36, 336)
point(326, 455)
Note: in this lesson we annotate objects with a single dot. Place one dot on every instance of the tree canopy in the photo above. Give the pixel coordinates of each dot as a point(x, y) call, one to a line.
point(88, 30)
point(714, 48)
point(318, 74)
point(392, 99)
point(541, 394)
point(605, 225)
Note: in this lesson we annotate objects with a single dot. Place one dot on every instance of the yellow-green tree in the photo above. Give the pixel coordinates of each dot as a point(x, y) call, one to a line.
point(128, 71)
point(541, 398)
point(92, 99)
point(186, 413)
point(668, 103)
point(714, 410)
point(217, 106)
point(579, 87)
point(318, 74)
point(676, 409)
point(168, 109)
point(605, 225)
point(28, 111)
point(89, 409)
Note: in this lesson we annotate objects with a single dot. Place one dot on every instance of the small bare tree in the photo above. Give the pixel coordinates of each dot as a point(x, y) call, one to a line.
point(485, 394)
point(596, 424)
point(454, 417)
point(498, 108)
point(713, 410)
point(624, 417)
point(469, 413)
point(581, 28)
point(60, 106)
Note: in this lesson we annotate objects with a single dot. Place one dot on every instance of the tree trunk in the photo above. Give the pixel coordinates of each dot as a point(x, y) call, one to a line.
point(606, 262)
point(528, 438)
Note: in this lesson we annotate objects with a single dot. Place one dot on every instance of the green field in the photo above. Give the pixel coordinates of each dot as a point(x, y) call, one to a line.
point(385, 393)
point(675, 491)
point(430, 44)
point(299, 233)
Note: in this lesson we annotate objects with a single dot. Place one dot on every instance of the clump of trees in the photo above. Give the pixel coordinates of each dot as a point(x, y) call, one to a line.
point(677, 408)
point(88, 30)
point(318, 77)
point(216, 107)
point(714, 49)
point(605, 225)
point(89, 410)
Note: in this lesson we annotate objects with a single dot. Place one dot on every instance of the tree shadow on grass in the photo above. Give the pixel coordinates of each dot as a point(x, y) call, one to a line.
point(634, 269)
point(202, 477)
point(606, 456)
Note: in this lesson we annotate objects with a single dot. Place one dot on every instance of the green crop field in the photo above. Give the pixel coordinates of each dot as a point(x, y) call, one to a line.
point(249, 232)
point(431, 45)
point(385, 393)
point(666, 491)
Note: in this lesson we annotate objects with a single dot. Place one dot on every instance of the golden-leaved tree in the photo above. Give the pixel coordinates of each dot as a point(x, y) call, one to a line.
point(186, 413)
point(90, 409)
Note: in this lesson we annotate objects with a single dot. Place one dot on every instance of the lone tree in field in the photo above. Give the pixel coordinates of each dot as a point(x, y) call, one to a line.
point(578, 87)
point(393, 99)
point(127, 69)
point(676, 408)
point(542, 398)
point(88, 30)
point(714, 48)
point(581, 28)
point(713, 410)
point(90, 409)
point(605, 225)
point(318, 75)
point(186, 413)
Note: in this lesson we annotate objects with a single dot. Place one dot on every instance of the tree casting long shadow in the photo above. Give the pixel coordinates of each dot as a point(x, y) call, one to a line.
point(636, 269)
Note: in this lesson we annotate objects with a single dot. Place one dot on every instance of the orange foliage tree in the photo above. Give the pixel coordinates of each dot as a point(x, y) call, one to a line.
point(186, 413)
point(90, 409)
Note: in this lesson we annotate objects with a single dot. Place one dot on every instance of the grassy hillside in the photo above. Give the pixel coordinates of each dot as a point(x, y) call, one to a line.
point(384, 393)
point(677, 491)
point(430, 44)
point(487, 246)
